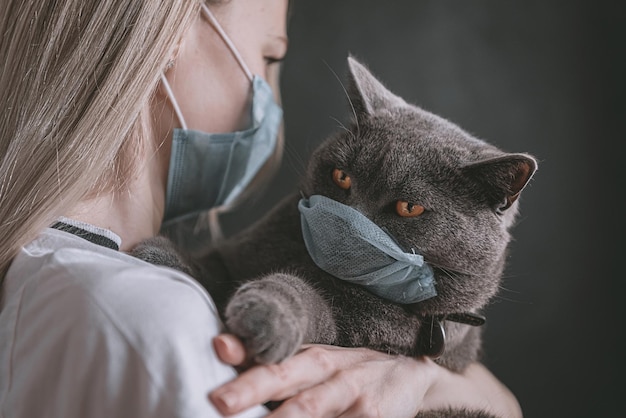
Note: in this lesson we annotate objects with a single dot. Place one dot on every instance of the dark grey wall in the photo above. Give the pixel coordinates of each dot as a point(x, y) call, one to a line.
point(537, 76)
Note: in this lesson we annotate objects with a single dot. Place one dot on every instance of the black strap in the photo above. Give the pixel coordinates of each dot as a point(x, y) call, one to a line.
point(432, 334)
point(89, 236)
point(467, 318)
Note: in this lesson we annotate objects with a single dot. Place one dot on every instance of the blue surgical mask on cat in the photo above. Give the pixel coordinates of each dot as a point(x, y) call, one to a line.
point(346, 244)
point(209, 170)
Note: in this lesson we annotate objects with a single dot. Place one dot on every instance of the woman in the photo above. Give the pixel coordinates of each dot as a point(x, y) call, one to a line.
point(99, 97)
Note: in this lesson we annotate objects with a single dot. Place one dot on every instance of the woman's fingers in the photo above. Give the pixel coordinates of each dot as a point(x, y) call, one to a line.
point(327, 399)
point(229, 349)
point(280, 381)
point(366, 384)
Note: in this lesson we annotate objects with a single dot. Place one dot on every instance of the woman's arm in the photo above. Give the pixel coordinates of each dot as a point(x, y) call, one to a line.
point(328, 381)
point(475, 388)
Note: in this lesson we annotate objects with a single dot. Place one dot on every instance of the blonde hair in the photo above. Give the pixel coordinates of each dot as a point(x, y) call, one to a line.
point(74, 83)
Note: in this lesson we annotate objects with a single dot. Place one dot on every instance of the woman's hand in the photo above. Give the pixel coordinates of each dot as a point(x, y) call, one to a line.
point(329, 381)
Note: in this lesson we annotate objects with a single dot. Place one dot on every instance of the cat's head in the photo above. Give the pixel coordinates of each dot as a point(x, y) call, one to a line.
point(431, 185)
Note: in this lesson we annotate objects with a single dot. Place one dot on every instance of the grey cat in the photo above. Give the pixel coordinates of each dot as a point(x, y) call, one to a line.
point(429, 184)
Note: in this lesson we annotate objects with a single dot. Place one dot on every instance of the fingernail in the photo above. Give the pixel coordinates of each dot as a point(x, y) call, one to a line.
point(228, 399)
point(220, 345)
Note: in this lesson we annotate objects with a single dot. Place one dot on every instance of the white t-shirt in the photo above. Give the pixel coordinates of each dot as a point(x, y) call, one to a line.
point(87, 332)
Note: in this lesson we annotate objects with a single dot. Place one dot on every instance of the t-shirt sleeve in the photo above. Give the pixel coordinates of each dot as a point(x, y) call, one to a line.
point(136, 344)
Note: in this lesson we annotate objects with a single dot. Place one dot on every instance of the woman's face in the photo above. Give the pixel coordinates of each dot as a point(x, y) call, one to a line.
point(209, 85)
point(211, 89)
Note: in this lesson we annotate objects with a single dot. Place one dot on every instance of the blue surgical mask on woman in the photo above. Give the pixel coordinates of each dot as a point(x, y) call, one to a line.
point(209, 170)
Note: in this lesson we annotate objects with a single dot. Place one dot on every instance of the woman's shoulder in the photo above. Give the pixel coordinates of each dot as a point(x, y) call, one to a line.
point(134, 294)
point(103, 319)
point(80, 279)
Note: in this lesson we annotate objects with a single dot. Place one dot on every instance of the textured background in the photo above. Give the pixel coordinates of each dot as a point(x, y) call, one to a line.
point(544, 77)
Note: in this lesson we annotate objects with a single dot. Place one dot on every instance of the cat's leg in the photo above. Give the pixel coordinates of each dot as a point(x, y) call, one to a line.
point(366, 320)
point(369, 321)
point(275, 314)
point(455, 413)
point(162, 252)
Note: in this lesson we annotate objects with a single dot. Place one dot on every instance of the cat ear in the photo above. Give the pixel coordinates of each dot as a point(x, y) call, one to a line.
point(502, 178)
point(366, 93)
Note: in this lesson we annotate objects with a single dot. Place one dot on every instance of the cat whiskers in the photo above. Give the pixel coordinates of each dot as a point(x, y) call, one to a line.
point(504, 289)
point(456, 274)
point(341, 125)
point(296, 161)
point(498, 296)
point(450, 273)
point(345, 91)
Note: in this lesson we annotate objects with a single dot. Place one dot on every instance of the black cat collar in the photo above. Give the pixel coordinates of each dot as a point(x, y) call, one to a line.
point(432, 335)
point(467, 318)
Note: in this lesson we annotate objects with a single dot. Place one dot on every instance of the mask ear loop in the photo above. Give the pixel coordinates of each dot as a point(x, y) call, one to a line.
point(170, 95)
point(213, 215)
point(209, 16)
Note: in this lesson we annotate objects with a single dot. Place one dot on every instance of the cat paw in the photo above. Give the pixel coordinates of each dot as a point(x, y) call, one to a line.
point(269, 320)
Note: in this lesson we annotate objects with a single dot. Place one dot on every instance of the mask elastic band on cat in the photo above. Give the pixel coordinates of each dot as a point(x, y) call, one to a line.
point(346, 244)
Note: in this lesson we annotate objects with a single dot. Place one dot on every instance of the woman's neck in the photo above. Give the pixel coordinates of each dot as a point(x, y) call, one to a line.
point(134, 215)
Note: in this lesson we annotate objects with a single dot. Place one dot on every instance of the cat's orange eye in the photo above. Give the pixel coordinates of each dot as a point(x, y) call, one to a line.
point(341, 179)
point(408, 210)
